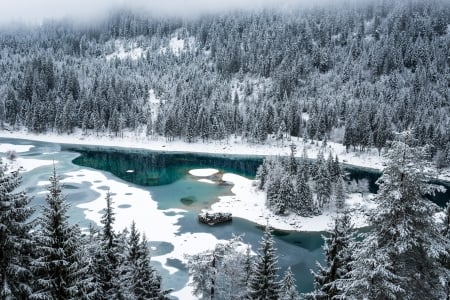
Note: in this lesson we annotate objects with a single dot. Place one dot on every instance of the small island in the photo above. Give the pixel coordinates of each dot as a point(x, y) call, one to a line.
point(213, 218)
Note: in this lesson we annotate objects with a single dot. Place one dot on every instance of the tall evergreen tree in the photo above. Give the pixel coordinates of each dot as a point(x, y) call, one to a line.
point(146, 282)
point(304, 204)
point(288, 290)
point(337, 249)
point(60, 271)
point(264, 284)
point(15, 240)
point(108, 261)
point(405, 246)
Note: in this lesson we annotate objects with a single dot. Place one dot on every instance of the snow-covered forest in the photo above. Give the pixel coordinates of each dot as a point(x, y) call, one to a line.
point(367, 75)
point(355, 75)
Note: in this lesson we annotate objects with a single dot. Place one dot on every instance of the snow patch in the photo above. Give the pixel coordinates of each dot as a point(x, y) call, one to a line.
point(178, 45)
point(123, 51)
point(29, 164)
point(207, 181)
point(203, 172)
point(17, 148)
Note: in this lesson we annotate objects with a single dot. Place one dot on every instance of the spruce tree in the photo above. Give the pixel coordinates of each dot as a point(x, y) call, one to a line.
point(323, 183)
point(146, 282)
point(337, 249)
point(264, 284)
point(107, 260)
point(288, 290)
point(60, 272)
point(405, 243)
point(15, 240)
point(304, 204)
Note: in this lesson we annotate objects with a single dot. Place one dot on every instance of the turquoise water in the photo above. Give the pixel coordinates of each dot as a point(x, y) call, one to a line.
point(165, 176)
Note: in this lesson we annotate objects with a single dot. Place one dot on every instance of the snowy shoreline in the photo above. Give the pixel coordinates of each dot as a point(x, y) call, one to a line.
point(369, 160)
point(235, 146)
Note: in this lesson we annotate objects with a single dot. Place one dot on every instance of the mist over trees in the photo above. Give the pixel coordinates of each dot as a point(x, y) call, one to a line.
point(355, 75)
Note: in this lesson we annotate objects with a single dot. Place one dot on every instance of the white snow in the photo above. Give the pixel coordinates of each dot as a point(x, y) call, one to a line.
point(28, 164)
point(203, 172)
point(123, 51)
point(178, 45)
point(17, 148)
point(249, 203)
point(206, 181)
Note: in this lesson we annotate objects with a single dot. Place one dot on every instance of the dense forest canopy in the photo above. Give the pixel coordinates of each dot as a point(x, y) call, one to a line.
point(354, 73)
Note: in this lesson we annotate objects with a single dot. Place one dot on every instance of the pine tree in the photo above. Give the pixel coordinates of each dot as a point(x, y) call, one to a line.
point(304, 204)
point(15, 240)
point(400, 256)
point(339, 193)
point(323, 184)
point(337, 248)
point(107, 260)
point(263, 284)
point(288, 290)
point(146, 281)
point(60, 272)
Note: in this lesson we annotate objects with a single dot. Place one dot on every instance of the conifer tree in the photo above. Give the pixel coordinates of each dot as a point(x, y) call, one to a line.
point(401, 255)
point(60, 271)
point(304, 204)
point(108, 261)
point(337, 248)
point(264, 284)
point(288, 290)
point(15, 240)
point(323, 184)
point(146, 282)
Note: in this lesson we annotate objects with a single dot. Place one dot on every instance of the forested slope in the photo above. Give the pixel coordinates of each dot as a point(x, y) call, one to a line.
point(356, 73)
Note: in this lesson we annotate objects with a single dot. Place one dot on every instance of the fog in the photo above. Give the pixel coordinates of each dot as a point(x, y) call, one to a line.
point(35, 11)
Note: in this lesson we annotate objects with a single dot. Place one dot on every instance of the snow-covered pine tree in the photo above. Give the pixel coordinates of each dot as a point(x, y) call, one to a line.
point(288, 290)
point(339, 193)
point(304, 204)
point(219, 272)
point(400, 257)
point(146, 282)
point(15, 240)
point(264, 284)
point(337, 248)
point(108, 262)
point(59, 269)
point(323, 183)
point(286, 196)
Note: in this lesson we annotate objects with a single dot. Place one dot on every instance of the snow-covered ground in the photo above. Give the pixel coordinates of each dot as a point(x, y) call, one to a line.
point(27, 164)
point(249, 203)
point(234, 146)
point(123, 51)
